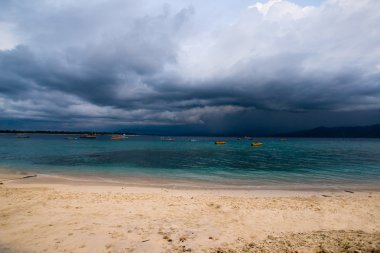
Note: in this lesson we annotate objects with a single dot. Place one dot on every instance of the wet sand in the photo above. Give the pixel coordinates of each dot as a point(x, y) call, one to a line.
point(42, 214)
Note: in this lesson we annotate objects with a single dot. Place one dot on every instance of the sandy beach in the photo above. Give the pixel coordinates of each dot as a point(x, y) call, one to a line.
point(41, 215)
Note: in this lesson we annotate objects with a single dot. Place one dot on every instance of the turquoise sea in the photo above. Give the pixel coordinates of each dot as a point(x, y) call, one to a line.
point(293, 162)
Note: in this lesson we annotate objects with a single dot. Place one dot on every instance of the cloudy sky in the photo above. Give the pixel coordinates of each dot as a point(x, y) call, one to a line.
point(189, 66)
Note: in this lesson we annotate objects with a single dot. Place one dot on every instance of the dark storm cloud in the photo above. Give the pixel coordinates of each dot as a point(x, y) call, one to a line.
point(123, 62)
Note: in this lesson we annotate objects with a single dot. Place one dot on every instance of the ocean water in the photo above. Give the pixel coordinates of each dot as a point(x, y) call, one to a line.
point(295, 161)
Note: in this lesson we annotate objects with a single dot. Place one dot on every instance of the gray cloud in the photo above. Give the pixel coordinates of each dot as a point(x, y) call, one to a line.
point(115, 63)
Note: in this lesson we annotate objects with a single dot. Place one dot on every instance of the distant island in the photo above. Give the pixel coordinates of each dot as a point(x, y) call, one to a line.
point(59, 132)
point(372, 131)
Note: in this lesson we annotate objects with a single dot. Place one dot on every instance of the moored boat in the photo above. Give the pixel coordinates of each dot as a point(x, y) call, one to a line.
point(256, 144)
point(22, 136)
point(167, 139)
point(71, 138)
point(88, 136)
point(118, 137)
point(220, 142)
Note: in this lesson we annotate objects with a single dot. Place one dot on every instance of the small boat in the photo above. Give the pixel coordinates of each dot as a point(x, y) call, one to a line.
point(256, 144)
point(88, 136)
point(220, 142)
point(118, 137)
point(71, 138)
point(167, 139)
point(22, 136)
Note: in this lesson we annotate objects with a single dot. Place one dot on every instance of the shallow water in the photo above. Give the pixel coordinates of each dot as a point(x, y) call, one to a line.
point(317, 162)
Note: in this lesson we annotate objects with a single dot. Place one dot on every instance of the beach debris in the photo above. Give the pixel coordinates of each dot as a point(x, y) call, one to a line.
point(348, 191)
point(147, 240)
point(216, 206)
point(251, 245)
point(319, 241)
point(184, 249)
point(28, 176)
point(167, 238)
point(24, 177)
point(326, 196)
point(220, 250)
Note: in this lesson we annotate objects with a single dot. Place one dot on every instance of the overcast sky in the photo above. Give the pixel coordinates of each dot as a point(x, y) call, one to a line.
point(189, 66)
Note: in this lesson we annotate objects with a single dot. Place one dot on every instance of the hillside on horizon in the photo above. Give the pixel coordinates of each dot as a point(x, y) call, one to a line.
point(372, 131)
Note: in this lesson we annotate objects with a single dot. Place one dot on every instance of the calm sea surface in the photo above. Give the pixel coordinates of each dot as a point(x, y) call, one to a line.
point(314, 162)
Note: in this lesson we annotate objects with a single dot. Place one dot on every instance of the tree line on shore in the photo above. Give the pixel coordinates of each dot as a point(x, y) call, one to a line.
point(57, 132)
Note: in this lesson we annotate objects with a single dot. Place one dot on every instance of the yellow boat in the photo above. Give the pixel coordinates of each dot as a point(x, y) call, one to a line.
point(256, 144)
point(220, 142)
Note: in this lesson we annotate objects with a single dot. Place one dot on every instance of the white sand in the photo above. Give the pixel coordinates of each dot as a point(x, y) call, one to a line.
point(58, 217)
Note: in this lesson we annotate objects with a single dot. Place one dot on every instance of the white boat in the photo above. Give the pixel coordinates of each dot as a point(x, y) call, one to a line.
point(167, 139)
point(71, 138)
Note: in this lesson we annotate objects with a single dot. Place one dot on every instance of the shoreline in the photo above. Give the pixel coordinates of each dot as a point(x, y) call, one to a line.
point(170, 183)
